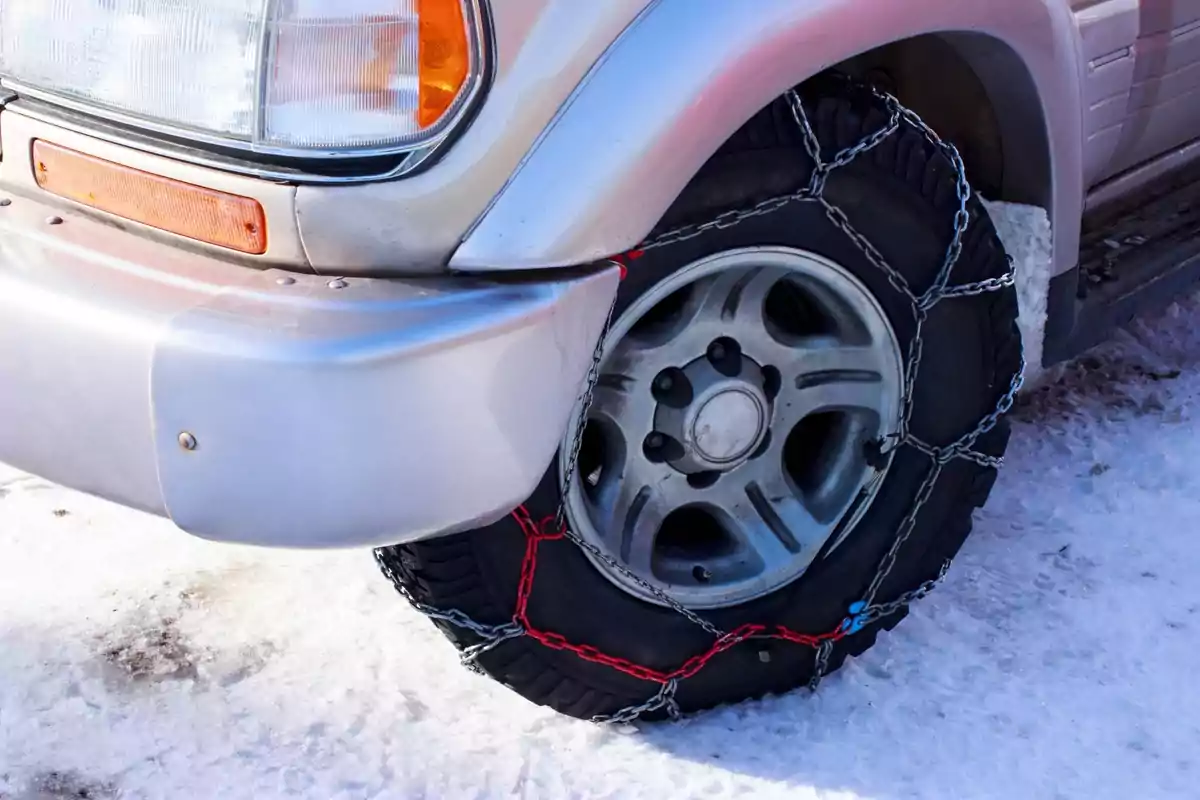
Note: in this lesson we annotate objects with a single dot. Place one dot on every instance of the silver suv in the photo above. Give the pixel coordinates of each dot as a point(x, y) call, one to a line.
point(658, 349)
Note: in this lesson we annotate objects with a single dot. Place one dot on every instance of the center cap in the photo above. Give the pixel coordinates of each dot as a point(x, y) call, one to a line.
point(727, 426)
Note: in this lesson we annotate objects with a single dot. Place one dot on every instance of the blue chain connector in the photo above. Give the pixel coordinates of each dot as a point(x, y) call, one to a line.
point(857, 619)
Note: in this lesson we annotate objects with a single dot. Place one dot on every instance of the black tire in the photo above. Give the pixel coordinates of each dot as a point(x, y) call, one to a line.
point(902, 196)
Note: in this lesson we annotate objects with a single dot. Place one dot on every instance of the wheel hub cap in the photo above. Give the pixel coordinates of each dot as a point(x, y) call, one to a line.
point(716, 410)
point(727, 426)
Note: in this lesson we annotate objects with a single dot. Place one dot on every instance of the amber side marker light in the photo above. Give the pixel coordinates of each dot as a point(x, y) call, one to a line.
point(206, 215)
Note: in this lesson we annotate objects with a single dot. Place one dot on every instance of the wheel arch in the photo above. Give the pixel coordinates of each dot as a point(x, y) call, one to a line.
point(623, 147)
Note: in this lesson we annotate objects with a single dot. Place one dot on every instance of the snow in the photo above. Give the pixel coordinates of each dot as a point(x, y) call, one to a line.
point(1055, 662)
point(1026, 234)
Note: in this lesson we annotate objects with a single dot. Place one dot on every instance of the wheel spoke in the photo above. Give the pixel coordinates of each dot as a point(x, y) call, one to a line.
point(844, 469)
point(738, 295)
point(733, 304)
point(772, 519)
point(636, 357)
point(829, 354)
point(632, 507)
point(733, 297)
point(811, 393)
point(634, 362)
point(626, 402)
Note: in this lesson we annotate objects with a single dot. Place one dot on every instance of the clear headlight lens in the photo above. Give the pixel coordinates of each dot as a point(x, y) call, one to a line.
point(277, 75)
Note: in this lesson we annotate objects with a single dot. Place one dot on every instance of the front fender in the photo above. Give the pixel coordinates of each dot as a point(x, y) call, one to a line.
point(690, 72)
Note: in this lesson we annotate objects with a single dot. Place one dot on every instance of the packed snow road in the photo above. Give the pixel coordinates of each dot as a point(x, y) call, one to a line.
point(1057, 661)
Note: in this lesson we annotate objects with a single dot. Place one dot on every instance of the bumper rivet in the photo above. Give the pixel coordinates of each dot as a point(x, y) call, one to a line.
point(187, 441)
point(337, 283)
point(54, 220)
point(5, 202)
point(285, 281)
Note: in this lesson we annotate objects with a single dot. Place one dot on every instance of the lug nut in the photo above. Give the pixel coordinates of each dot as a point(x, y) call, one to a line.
point(671, 387)
point(726, 356)
point(660, 448)
point(772, 381)
point(763, 446)
point(703, 480)
point(701, 574)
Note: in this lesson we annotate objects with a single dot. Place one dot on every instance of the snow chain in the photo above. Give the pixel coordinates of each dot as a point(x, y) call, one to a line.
point(862, 613)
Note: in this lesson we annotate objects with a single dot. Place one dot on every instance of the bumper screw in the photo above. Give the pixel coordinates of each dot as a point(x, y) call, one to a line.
point(285, 281)
point(54, 220)
point(187, 441)
point(5, 202)
point(337, 283)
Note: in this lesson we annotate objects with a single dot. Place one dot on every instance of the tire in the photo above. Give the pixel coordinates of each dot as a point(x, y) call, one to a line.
point(901, 195)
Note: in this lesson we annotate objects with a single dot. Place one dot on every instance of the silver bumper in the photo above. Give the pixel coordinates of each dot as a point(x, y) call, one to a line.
point(381, 412)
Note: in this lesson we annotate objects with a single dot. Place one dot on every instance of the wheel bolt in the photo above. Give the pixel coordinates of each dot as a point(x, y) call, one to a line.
point(660, 448)
point(701, 574)
point(726, 356)
point(772, 381)
point(763, 445)
point(671, 387)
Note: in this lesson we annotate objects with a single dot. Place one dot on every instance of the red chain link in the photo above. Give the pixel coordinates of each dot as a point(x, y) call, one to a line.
point(623, 260)
point(536, 533)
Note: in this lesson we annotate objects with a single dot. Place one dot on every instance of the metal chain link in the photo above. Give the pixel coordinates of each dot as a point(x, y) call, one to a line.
point(671, 602)
point(820, 664)
point(452, 616)
point(498, 636)
point(866, 611)
point(665, 698)
point(980, 287)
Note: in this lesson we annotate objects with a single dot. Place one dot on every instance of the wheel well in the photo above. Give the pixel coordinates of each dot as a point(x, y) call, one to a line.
point(976, 92)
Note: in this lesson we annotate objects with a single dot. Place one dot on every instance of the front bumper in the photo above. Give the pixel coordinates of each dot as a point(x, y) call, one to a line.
point(381, 412)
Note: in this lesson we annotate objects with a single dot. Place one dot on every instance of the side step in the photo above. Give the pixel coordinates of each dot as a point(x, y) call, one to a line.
point(1136, 254)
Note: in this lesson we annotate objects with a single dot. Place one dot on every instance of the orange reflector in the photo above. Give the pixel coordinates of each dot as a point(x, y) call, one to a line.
point(227, 220)
point(444, 57)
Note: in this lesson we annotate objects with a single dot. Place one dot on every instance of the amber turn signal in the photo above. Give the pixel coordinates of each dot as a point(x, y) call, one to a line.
point(444, 57)
point(206, 215)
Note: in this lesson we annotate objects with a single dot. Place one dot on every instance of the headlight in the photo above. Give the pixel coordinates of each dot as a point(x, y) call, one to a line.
point(302, 77)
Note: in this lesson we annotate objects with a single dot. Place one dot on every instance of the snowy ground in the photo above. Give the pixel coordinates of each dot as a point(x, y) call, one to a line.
point(1056, 662)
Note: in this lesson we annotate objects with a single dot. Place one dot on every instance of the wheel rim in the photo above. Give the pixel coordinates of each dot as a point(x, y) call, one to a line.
point(725, 446)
